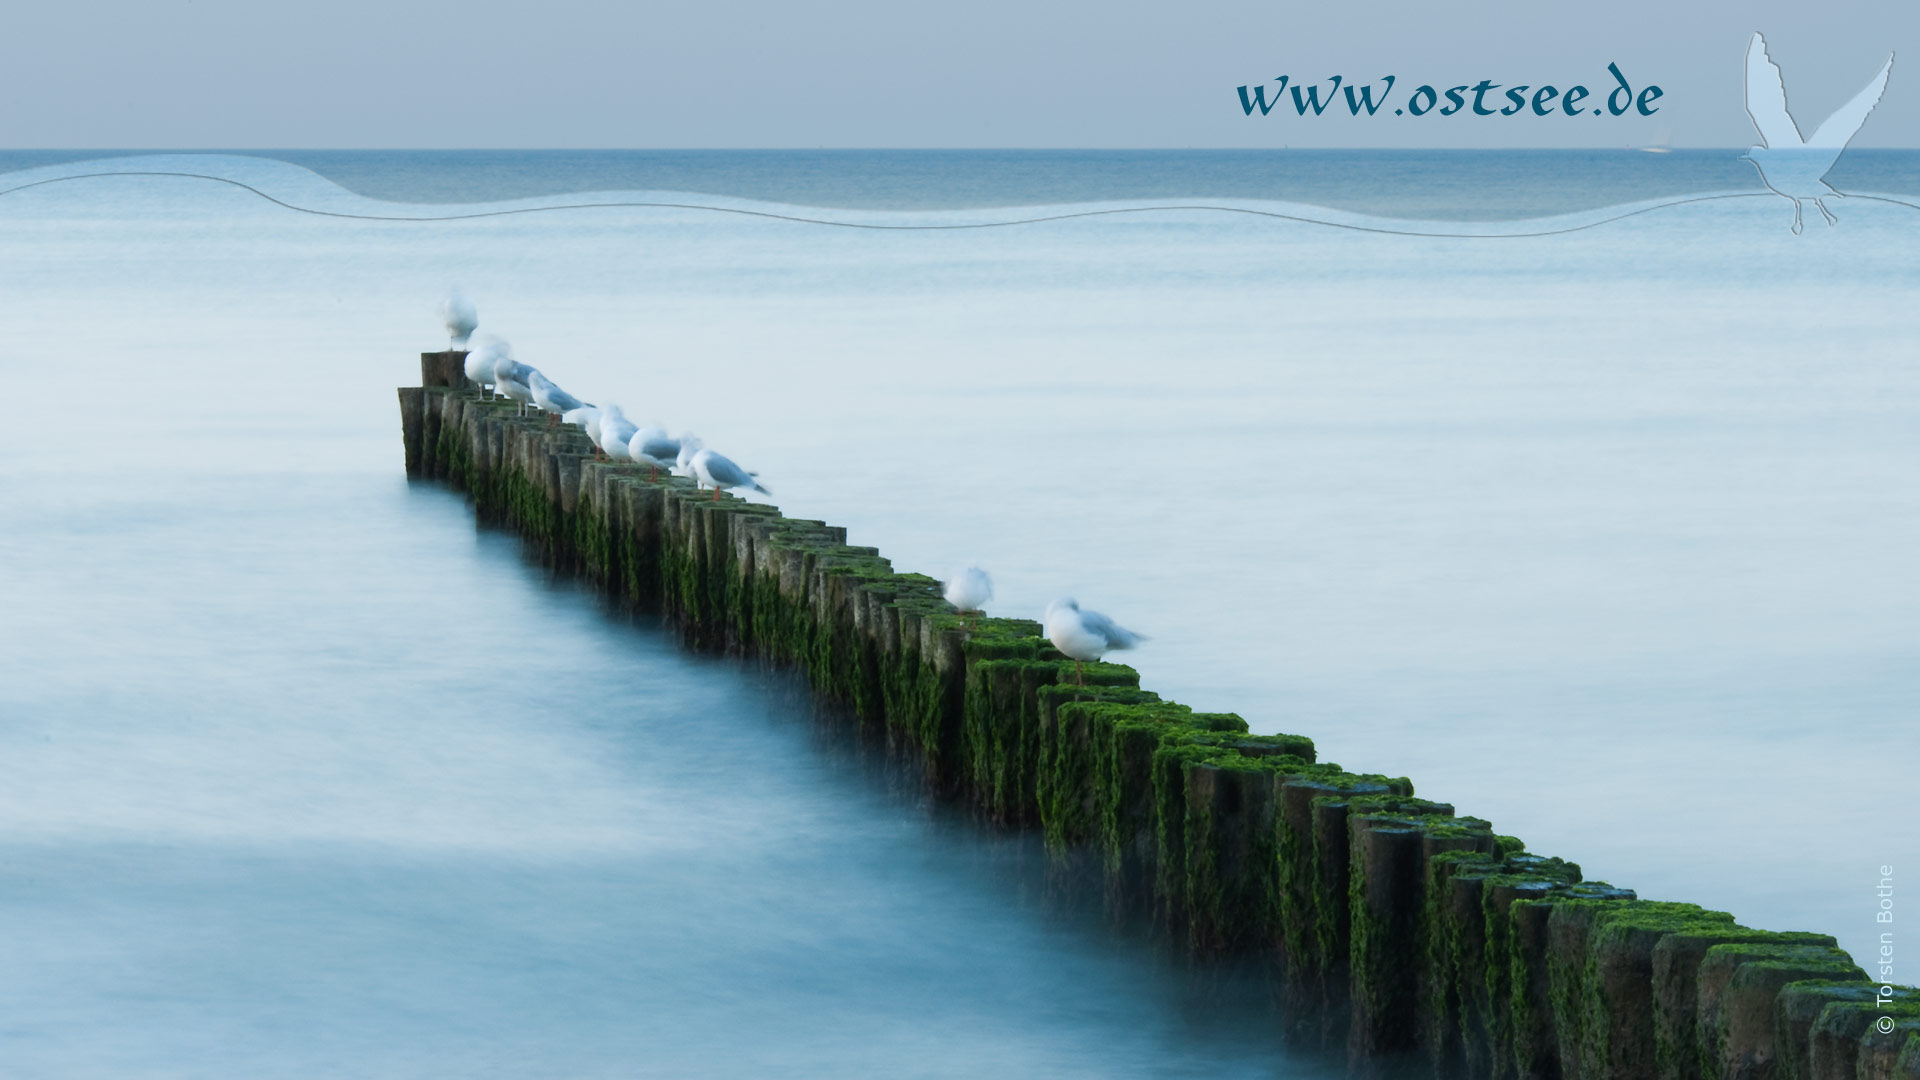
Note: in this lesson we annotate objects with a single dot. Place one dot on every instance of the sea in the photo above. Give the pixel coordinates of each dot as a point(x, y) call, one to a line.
point(1575, 485)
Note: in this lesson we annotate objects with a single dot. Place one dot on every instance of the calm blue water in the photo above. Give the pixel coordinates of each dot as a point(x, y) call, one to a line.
point(1605, 536)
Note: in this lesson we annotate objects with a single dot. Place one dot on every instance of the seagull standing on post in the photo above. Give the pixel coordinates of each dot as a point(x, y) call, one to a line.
point(587, 417)
point(1085, 635)
point(690, 445)
point(482, 357)
point(969, 590)
point(1790, 166)
point(458, 313)
point(616, 431)
point(717, 471)
point(654, 448)
point(510, 378)
point(550, 399)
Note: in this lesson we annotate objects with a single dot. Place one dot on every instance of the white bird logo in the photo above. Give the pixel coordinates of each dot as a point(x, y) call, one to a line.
point(1790, 166)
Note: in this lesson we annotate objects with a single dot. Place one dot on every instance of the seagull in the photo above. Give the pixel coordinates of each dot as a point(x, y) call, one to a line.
point(588, 418)
point(690, 445)
point(968, 590)
point(1790, 166)
point(510, 378)
point(550, 398)
point(615, 432)
point(652, 446)
point(482, 357)
point(718, 472)
point(457, 312)
point(1085, 635)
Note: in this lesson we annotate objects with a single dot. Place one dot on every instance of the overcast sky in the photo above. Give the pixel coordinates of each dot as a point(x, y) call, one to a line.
point(248, 74)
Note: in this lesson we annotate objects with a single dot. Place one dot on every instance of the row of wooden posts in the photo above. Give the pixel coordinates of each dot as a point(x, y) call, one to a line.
point(1412, 936)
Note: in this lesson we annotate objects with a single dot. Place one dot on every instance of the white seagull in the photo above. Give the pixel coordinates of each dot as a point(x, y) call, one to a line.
point(588, 418)
point(615, 432)
point(968, 590)
point(1085, 635)
point(458, 313)
point(652, 447)
point(510, 378)
point(714, 470)
point(690, 445)
point(549, 398)
point(483, 356)
point(1790, 166)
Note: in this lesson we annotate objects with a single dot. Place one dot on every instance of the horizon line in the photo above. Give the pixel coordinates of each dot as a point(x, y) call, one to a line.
point(873, 149)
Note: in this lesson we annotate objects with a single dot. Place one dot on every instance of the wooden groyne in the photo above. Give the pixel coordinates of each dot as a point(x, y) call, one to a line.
point(1416, 938)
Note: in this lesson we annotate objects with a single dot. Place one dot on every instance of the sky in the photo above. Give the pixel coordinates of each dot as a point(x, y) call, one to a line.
point(239, 74)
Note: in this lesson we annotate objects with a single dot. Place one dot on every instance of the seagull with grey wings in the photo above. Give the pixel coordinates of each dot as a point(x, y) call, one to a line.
point(616, 431)
point(550, 399)
point(1793, 167)
point(510, 380)
point(654, 448)
point(711, 469)
point(1085, 636)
